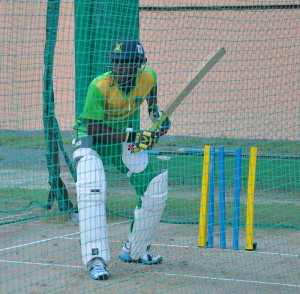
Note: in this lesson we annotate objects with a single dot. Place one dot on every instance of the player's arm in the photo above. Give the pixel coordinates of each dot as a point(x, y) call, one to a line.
point(103, 134)
point(155, 114)
point(93, 114)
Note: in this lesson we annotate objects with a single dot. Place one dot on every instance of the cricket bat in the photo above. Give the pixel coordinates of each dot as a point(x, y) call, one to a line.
point(193, 81)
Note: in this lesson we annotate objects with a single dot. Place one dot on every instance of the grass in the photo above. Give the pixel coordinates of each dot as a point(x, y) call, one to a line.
point(22, 141)
point(178, 210)
point(27, 140)
point(15, 201)
point(264, 146)
point(271, 173)
point(277, 180)
point(36, 139)
point(186, 211)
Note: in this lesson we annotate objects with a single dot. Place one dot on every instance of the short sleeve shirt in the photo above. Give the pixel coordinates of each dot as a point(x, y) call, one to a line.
point(106, 102)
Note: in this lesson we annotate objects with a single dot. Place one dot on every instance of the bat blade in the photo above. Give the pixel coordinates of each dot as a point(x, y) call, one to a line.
point(186, 90)
point(194, 80)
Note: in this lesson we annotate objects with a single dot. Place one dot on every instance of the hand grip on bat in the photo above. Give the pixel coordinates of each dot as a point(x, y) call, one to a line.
point(155, 126)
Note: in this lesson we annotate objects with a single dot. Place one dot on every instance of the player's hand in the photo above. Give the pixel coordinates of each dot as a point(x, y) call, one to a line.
point(155, 115)
point(154, 112)
point(142, 139)
point(163, 128)
point(145, 139)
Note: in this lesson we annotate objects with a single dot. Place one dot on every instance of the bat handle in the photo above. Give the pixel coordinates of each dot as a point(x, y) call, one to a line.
point(158, 122)
point(155, 126)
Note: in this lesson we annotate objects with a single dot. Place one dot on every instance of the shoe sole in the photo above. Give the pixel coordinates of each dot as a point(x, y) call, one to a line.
point(127, 258)
point(150, 262)
point(101, 278)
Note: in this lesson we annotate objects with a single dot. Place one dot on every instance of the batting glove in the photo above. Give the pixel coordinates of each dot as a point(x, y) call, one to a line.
point(155, 114)
point(163, 128)
point(142, 139)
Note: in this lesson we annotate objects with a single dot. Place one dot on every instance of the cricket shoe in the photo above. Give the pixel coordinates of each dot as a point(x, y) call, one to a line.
point(147, 258)
point(98, 270)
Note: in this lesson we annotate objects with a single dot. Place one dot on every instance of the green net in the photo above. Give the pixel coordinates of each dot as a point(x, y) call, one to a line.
point(52, 50)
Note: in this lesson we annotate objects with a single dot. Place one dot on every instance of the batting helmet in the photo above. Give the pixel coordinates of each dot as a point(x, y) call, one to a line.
point(127, 50)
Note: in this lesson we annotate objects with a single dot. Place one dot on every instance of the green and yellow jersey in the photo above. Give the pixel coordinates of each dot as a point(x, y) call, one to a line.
point(106, 102)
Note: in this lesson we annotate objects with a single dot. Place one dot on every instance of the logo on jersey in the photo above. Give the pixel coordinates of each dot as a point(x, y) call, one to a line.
point(118, 48)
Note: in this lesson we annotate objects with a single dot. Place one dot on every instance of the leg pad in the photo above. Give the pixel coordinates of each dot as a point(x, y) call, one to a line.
point(147, 217)
point(91, 193)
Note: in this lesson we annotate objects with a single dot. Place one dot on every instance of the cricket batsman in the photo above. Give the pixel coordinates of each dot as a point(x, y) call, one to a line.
point(108, 130)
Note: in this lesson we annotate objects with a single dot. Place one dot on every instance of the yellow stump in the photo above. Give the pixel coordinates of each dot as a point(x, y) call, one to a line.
point(202, 236)
point(250, 198)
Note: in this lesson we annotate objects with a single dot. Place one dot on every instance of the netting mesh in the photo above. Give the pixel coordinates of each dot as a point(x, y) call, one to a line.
point(51, 51)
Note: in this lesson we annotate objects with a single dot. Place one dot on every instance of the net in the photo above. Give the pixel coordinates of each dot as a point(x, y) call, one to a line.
point(50, 53)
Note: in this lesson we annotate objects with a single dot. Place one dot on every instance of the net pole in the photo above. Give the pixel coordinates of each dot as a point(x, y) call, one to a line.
point(58, 189)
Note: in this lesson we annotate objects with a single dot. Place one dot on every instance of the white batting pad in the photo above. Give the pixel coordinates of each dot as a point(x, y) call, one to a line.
point(91, 193)
point(147, 218)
